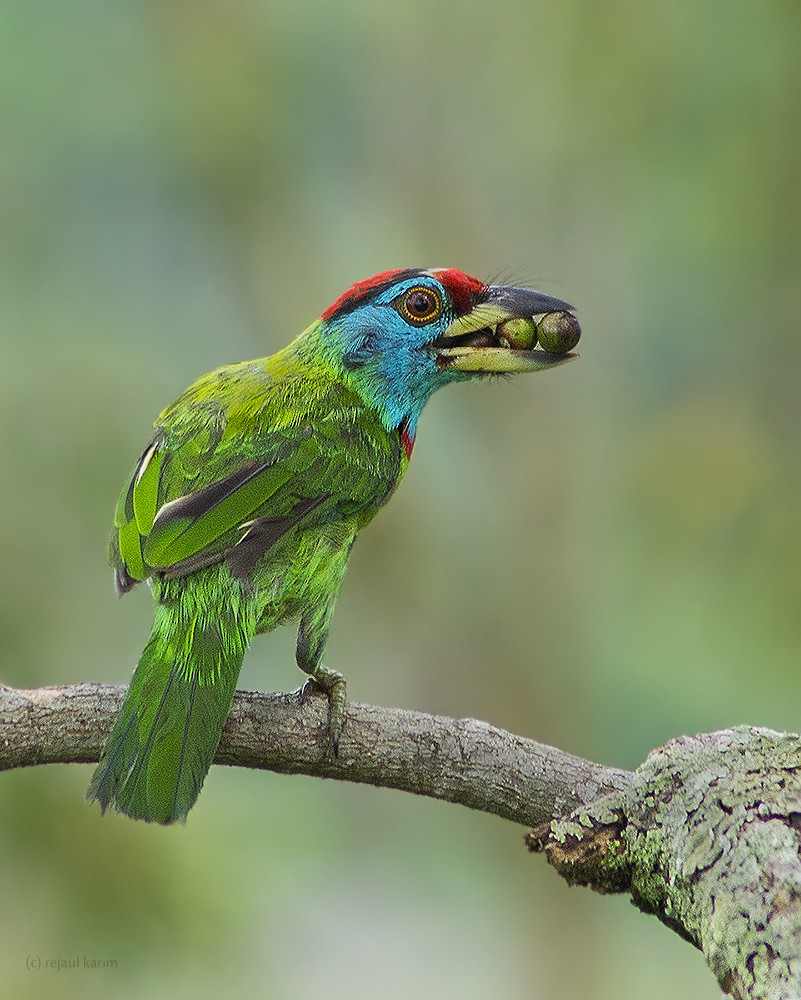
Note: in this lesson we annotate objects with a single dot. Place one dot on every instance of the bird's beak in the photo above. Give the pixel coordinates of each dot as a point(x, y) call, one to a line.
point(472, 343)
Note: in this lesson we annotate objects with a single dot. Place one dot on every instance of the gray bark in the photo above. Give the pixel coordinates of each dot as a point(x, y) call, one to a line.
point(705, 834)
point(706, 837)
point(459, 760)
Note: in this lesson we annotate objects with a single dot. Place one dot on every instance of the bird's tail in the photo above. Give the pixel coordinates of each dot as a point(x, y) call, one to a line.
point(165, 737)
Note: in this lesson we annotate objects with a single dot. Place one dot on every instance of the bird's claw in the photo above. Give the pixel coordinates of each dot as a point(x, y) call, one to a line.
point(331, 683)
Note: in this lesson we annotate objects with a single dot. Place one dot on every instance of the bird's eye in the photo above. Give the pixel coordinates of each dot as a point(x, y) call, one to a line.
point(420, 305)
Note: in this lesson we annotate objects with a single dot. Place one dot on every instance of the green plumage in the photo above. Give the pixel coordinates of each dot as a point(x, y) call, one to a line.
point(242, 511)
point(165, 737)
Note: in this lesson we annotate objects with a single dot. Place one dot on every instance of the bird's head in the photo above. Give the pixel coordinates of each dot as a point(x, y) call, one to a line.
point(400, 335)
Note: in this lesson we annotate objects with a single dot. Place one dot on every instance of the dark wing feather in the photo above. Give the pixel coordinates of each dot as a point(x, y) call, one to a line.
point(188, 505)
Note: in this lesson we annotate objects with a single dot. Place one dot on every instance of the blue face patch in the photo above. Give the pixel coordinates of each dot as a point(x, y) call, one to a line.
point(385, 346)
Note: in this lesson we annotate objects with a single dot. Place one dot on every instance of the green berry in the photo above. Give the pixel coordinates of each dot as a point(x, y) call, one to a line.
point(519, 334)
point(558, 332)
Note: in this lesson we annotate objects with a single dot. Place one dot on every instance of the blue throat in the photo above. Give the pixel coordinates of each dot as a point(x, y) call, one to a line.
point(387, 362)
point(392, 372)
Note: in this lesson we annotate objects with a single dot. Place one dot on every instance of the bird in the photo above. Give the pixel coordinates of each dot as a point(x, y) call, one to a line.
point(242, 510)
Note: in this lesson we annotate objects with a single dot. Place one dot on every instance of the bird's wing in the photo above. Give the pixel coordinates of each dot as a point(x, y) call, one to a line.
point(190, 504)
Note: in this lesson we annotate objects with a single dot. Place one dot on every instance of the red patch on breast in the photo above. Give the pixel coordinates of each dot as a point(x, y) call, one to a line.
point(358, 291)
point(407, 438)
point(463, 288)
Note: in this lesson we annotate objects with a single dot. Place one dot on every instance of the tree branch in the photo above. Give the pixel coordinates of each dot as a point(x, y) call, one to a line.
point(705, 834)
point(459, 760)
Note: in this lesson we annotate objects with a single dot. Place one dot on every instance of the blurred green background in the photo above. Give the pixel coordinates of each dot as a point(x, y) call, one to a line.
point(602, 557)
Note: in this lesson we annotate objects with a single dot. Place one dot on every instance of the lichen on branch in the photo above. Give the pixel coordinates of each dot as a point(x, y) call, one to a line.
point(705, 834)
point(708, 838)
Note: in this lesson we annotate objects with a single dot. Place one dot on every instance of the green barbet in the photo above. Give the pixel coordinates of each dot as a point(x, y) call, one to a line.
point(242, 510)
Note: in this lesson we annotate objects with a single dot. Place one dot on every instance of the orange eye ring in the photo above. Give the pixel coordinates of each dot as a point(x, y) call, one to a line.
point(420, 305)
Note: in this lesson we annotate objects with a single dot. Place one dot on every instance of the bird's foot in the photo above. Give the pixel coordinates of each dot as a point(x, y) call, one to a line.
point(333, 684)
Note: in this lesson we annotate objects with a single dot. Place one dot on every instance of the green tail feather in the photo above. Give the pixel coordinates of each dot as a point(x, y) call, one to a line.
point(165, 737)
